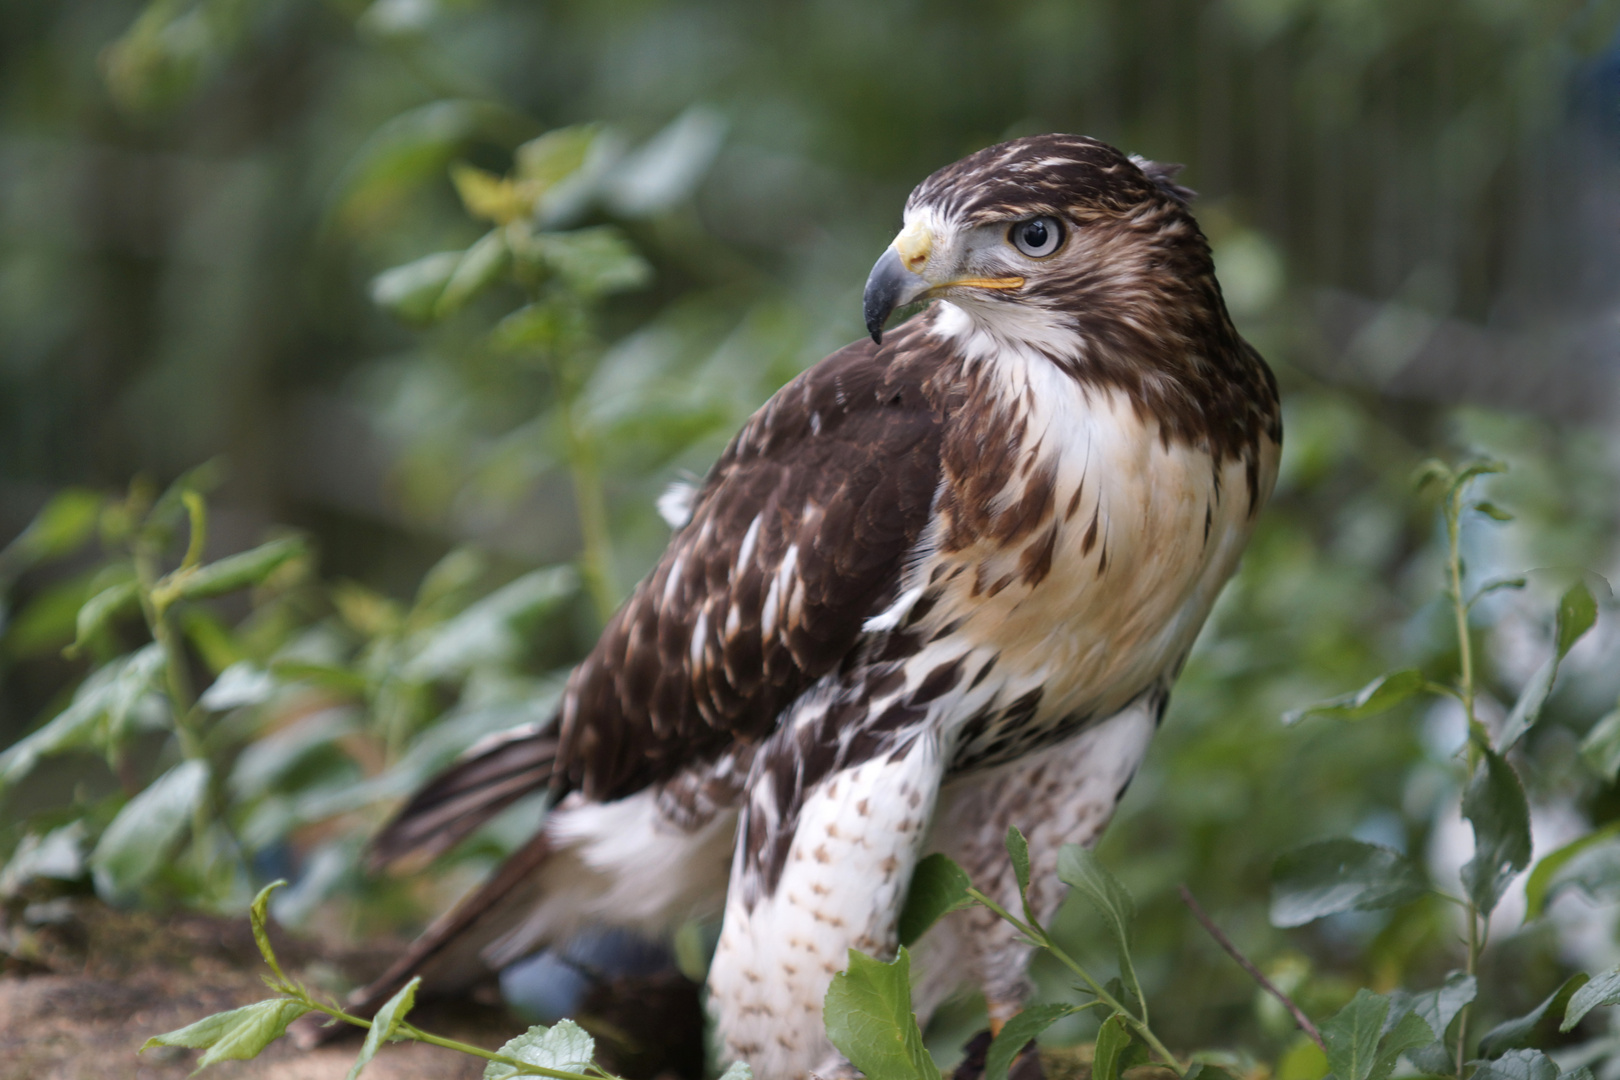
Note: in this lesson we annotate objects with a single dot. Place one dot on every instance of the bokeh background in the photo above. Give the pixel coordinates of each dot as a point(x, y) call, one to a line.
point(1414, 207)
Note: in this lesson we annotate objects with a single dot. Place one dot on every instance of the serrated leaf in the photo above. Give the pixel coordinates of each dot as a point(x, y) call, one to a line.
point(869, 1019)
point(1600, 991)
point(236, 1035)
point(101, 608)
point(1577, 612)
point(1517, 1065)
point(1536, 1026)
point(1601, 747)
point(1546, 879)
point(136, 844)
point(233, 572)
point(1340, 875)
point(938, 887)
point(479, 268)
point(565, 1047)
point(1113, 1039)
point(1495, 805)
point(1380, 695)
point(1017, 1033)
point(1018, 852)
point(1080, 869)
point(384, 1025)
point(1352, 1035)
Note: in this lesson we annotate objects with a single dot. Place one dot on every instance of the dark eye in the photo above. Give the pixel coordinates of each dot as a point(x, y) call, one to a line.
point(1037, 237)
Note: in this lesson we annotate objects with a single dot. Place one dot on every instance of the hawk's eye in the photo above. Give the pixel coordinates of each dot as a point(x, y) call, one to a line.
point(1037, 237)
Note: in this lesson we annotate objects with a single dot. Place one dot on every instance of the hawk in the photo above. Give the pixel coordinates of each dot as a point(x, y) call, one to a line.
point(940, 584)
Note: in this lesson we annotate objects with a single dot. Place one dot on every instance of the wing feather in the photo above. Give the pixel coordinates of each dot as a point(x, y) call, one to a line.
point(798, 535)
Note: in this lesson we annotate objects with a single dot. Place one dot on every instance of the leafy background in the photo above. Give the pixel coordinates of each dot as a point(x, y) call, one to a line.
point(295, 257)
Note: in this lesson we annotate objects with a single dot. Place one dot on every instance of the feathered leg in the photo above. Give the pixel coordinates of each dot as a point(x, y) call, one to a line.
point(1065, 795)
point(825, 850)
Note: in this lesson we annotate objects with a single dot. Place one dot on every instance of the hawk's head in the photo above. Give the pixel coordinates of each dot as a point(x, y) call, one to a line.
point(1029, 236)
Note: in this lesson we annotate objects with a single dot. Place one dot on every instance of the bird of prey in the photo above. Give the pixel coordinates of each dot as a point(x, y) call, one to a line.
point(940, 584)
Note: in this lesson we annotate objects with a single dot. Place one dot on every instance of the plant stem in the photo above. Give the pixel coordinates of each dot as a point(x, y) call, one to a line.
point(1038, 936)
point(1243, 962)
point(182, 699)
point(591, 505)
point(411, 1031)
point(1465, 693)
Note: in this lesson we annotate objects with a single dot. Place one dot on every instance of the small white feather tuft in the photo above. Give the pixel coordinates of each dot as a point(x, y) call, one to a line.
point(675, 504)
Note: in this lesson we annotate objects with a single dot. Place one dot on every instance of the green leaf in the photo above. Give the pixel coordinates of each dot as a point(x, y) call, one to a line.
point(477, 270)
point(1079, 868)
point(938, 887)
point(565, 1046)
point(556, 155)
point(1340, 875)
point(595, 261)
point(1352, 1035)
point(259, 918)
point(1409, 1033)
point(1539, 1025)
point(1601, 747)
point(1517, 1065)
point(1018, 852)
point(1603, 990)
point(233, 572)
point(1113, 1039)
point(1546, 879)
point(737, 1070)
point(60, 527)
point(385, 1024)
point(411, 292)
point(100, 608)
point(1438, 1007)
point(483, 635)
point(1494, 803)
point(1380, 695)
point(1492, 511)
point(415, 148)
point(100, 709)
point(869, 1019)
point(1017, 1034)
point(137, 842)
point(236, 1035)
point(1577, 611)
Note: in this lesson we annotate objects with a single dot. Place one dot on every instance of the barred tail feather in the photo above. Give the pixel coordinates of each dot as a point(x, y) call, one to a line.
point(490, 777)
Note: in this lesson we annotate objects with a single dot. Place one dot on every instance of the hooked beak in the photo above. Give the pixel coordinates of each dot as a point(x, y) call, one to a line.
point(890, 286)
point(896, 281)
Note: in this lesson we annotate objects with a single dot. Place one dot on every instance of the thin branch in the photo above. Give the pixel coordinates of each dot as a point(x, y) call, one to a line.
point(1243, 962)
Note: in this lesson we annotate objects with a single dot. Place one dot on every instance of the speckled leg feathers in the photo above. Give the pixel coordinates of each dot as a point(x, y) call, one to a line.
point(849, 858)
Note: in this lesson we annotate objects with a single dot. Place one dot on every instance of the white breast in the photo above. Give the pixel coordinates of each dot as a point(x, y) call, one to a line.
point(1147, 532)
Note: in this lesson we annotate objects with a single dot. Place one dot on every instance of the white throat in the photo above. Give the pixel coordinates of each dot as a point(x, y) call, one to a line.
point(984, 331)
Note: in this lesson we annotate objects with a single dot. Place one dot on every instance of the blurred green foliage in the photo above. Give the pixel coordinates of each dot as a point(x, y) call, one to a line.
point(454, 288)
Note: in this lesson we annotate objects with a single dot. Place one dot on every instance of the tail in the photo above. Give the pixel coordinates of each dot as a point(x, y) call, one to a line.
point(491, 775)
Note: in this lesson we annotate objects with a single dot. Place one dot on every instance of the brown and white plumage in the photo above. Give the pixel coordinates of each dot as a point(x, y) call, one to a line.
point(937, 586)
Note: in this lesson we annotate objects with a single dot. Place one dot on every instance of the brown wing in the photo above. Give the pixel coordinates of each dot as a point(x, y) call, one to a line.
point(798, 535)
